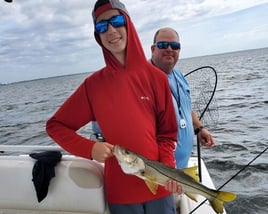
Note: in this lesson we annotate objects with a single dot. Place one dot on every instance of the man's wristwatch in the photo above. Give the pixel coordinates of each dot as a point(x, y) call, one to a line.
point(198, 129)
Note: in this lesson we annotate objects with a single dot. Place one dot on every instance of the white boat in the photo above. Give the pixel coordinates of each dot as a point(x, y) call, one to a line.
point(77, 188)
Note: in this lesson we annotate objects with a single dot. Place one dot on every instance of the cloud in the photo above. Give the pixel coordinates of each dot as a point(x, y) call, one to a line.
point(49, 38)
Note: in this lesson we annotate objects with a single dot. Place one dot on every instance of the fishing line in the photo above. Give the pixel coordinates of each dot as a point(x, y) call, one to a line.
point(243, 168)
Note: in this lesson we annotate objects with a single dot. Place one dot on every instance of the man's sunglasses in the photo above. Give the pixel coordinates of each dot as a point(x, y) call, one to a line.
point(164, 45)
point(115, 21)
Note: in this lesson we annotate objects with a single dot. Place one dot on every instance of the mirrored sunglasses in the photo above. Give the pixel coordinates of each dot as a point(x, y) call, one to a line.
point(164, 45)
point(115, 21)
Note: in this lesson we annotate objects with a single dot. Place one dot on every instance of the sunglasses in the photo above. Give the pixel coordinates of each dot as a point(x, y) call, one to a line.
point(115, 21)
point(164, 45)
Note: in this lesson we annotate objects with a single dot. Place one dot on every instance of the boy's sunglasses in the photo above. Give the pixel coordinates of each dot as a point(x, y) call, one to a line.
point(115, 21)
point(164, 45)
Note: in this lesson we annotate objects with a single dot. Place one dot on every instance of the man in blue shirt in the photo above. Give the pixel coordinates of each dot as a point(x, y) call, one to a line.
point(165, 54)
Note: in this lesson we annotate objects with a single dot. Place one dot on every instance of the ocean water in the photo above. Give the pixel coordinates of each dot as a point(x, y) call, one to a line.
point(240, 132)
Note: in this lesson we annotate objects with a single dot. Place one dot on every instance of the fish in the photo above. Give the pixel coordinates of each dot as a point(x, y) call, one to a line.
point(155, 173)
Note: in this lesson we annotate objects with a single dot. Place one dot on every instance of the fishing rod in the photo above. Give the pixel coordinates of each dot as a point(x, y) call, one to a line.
point(243, 168)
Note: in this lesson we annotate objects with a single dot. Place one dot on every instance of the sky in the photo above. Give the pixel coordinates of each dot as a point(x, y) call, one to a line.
point(41, 38)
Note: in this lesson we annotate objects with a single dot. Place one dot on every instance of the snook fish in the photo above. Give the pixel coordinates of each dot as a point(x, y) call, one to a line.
point(155, 173)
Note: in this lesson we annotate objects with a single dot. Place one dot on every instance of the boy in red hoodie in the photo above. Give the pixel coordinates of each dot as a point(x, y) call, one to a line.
point(131, 101)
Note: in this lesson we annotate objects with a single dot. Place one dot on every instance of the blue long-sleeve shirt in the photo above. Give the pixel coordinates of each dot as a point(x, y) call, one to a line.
point(185, 135)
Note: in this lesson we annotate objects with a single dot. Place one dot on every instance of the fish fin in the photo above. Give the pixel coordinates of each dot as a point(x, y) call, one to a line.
point(191, 196)
point(226, 196)
point(152, 186)
point(217, 203)
point(192, 172)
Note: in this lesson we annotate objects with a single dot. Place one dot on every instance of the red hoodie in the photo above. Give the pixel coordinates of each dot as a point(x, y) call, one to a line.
point(133, 107)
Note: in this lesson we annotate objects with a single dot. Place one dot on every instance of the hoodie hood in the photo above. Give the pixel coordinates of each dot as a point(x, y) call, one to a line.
point(134, 48)
point(104, 5)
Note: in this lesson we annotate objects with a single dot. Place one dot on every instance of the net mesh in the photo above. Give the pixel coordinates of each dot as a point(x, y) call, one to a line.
point(203, 82)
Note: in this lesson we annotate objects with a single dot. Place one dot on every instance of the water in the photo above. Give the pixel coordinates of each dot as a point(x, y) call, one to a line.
point(240, 134)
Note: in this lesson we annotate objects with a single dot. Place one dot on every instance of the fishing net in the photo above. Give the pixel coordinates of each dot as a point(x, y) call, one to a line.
point(203, 83)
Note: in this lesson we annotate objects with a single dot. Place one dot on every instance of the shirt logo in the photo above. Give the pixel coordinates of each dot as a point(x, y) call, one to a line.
point(145, 98)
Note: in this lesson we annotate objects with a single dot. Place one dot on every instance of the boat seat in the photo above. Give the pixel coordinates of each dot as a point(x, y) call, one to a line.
point(78, 187)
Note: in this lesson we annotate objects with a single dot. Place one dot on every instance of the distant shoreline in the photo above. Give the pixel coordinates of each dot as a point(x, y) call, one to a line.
point(43, 78)
point(188, 58)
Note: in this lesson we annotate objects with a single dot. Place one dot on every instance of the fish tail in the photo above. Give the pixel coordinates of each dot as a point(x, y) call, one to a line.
point(217, 203)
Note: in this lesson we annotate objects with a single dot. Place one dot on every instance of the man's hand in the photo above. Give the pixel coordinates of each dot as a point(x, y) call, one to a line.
point(205, 138)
